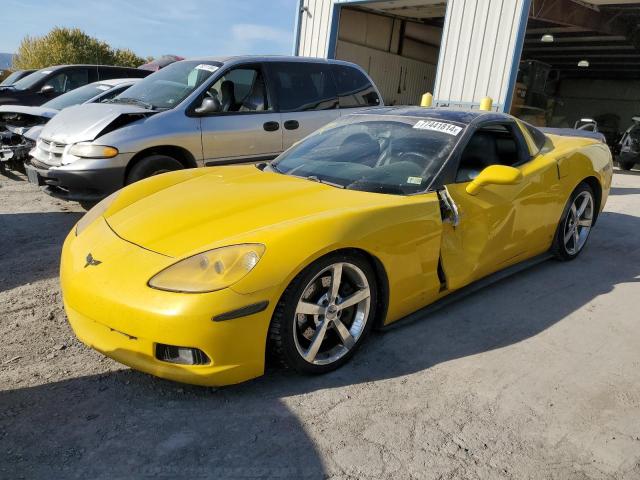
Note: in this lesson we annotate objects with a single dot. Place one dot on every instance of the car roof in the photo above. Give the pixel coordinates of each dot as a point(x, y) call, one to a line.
point(437, 113)
point(267, 58)
point(113, 82)
point(57, 67)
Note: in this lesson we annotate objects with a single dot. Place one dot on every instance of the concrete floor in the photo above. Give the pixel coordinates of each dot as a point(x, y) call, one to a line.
point(537, 376)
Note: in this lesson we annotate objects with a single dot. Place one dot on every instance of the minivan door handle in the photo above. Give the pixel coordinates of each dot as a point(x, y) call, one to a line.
point(271, 126)
point(291, 124)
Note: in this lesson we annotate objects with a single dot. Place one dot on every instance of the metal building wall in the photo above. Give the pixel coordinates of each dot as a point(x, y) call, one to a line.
point(313, 28)
point(480, 51)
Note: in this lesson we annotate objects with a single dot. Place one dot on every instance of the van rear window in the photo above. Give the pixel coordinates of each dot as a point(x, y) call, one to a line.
point(354, 88)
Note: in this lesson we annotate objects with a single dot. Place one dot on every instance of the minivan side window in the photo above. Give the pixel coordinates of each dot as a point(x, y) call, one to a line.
point(302, 86)
point(354, 88)
point(68, 80)
point(241, 90)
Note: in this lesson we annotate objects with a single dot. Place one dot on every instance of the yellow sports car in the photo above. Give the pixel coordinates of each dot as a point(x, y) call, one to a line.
point(200, 275)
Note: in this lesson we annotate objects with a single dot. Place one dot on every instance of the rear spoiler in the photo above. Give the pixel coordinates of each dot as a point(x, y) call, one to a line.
point(571, 132)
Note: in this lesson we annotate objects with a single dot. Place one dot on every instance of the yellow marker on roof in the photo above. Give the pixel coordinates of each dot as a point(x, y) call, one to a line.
point(486, 103)
point(427, 100)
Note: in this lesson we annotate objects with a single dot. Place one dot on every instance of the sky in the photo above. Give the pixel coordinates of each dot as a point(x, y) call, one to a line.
point(155, 27)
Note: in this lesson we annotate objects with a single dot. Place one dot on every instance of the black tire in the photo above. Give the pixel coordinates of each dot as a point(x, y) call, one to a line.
point(87, 205)
point(627, 165)
point(559, 248)
point(282, 345)
point(152, 165)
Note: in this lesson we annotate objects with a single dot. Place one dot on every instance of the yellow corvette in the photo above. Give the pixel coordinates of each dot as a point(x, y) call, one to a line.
point(199, 275)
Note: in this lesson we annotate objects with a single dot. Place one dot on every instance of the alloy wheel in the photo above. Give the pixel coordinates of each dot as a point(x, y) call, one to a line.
point(578, 223)
point(331, 314)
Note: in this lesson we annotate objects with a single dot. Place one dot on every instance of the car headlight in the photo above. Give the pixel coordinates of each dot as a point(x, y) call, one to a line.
point(209, 271)
point(89, 150)
point(95, 212)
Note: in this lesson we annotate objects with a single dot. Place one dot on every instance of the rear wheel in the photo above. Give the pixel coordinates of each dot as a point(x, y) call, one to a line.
point(626, 165)
point(152, 165)
point(575, 225)
point(325, 314)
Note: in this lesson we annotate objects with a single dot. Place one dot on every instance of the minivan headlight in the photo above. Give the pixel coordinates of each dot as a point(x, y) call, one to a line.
point(209, 271)
point(95, 212)
point(89, 150)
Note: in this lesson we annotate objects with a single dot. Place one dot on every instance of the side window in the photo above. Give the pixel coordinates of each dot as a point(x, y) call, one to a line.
point(241, 90)
point(106, 73)
point(69, 80)
point(302, 86)
point(491, 145)
point(112, 94)
point(354, 89)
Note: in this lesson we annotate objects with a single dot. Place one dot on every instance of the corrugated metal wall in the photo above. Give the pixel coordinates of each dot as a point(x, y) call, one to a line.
point(315, 25)
point(477, 51)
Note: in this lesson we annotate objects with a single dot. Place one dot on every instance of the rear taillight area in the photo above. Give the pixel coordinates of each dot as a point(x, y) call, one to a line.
point(181, 355)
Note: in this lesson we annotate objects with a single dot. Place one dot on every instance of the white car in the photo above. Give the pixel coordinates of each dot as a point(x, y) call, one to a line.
point(20, 125)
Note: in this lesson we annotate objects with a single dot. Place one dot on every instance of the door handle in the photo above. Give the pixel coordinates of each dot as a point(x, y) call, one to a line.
point(291, 124)
point(271, 126)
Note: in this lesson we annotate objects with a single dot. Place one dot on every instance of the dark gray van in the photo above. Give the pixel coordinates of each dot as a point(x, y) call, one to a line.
point(47, 83)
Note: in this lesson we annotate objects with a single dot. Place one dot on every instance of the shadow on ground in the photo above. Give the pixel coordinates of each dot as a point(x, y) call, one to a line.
point(30, 245)
point(130, 424)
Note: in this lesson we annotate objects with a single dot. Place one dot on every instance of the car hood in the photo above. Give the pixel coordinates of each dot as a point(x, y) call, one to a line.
point(85, 123)
point(187, 212)
point(31, 111)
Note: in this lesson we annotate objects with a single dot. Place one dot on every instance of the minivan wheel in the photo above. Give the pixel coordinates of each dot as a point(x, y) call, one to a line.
point(152, 165)
point(626, 165)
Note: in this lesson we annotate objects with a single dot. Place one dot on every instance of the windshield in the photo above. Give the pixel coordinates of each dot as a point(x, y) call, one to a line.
point(373, 153)
point(11, 78)
point(30, 80)
point(169, 86)
point(77, 96)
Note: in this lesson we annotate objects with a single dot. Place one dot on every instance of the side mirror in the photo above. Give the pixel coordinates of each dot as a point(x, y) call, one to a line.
point(47, 89)
point(208, 105)
point(494, 175)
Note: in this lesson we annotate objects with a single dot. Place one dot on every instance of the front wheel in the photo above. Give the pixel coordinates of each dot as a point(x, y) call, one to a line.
point(152, 165)
point(324, 314)
point(575, 225)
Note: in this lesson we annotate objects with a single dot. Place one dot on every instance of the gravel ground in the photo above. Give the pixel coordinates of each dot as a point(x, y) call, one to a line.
point(537, 376)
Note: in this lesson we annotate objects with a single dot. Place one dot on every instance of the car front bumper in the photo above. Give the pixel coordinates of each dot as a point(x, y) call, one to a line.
point(84, 180)
point(112, 309)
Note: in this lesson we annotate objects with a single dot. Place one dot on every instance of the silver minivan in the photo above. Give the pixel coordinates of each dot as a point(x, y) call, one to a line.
point(194, 113)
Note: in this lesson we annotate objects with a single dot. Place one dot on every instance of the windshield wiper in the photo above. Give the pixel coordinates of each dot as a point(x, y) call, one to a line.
point(313, 178)
point(274, 167)
point(131, 100)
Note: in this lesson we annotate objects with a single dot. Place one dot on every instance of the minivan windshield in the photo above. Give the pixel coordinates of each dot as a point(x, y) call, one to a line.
point(169, 86)
point(30, 80)
point(373, 153)
point(77, 96)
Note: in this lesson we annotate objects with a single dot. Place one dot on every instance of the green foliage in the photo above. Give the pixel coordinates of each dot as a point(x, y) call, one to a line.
point(70, 46)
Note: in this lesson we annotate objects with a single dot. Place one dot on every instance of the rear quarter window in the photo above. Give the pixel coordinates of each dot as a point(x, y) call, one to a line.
point(354, 88)
point(304, 86)
point(539, 138)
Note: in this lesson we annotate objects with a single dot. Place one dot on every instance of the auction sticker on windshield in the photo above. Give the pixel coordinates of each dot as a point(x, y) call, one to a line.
point(438, 127)
point(208, 68)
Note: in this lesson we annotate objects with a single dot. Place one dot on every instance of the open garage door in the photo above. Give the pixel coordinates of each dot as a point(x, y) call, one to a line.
point(397, 43)
point(581, 60)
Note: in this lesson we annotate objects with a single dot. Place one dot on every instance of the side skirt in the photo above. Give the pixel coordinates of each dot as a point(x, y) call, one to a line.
point(468, 290)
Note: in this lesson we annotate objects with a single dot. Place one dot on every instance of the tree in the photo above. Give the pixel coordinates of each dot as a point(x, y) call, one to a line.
point(70, 46)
